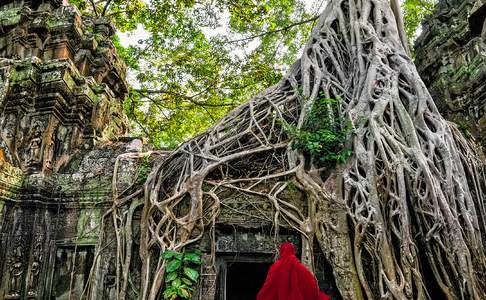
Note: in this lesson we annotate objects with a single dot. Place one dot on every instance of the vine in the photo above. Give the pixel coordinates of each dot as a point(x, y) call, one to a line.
point(180, 276)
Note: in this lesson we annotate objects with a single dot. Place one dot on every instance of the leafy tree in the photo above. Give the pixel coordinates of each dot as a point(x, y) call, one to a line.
point(124, 13)
point(414, 11)
point(202, 59)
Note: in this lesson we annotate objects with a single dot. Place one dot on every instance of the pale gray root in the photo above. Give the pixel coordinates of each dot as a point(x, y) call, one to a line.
point(409, 199)
point(125, 203)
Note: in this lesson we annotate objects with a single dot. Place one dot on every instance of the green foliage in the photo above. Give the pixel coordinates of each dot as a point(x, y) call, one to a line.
point(291, 186)
point(180, 274)
point(414, 11)
point(324, 132)
point(203, 58)
point(82, 5)
point(126, 14)
point(464, 129)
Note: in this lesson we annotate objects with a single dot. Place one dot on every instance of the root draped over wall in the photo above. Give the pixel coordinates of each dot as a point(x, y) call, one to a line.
point(410, 199)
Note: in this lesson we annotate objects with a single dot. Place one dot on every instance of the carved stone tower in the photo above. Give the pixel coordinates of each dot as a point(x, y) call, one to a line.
point(61, 93)
point(61, 84)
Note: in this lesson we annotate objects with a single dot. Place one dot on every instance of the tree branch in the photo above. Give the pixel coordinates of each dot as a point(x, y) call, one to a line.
point(397, 12)
point(94, 7)
point(274, 31)
point(145, 93)
point(105, 7)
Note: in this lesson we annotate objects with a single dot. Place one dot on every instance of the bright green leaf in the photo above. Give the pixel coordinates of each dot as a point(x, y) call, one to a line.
point(172, 254)
point(191, 274)
point(173, 265)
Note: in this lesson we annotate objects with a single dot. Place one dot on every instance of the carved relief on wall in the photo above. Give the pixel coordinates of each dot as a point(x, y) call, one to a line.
point(251, 242)
point(33, 153)
point(36, 265)
point(7, 133)
point(243, 209)
point(16, 267)
point(49, 141)
point(62, 145)
point(49, 154)
point(225, 244)
point(62, 142)
point(4, 79)
point(36, 143)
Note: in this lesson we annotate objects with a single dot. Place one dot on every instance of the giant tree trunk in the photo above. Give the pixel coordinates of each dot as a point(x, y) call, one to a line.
point(405, 214)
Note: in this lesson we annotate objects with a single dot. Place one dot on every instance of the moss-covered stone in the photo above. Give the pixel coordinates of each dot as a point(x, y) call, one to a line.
point(451, 59)
point(10, 17)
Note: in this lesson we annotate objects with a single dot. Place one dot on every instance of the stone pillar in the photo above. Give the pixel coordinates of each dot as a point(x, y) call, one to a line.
point(207, 286)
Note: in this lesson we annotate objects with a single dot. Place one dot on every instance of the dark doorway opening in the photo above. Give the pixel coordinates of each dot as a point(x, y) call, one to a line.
point(244, 280)
point(70, 271)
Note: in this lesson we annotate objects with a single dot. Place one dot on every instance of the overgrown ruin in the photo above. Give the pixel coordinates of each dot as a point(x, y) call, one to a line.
point(451, 60)
point(62, 88)
point(86, 210)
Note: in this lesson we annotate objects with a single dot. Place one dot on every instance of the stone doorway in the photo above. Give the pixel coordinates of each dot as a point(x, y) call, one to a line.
point(69, 271)
point(244, 280)
point(241, 278)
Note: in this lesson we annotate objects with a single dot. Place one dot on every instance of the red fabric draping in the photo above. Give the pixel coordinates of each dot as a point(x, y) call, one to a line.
point(288, 279)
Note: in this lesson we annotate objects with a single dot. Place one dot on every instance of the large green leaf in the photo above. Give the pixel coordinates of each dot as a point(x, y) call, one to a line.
point(170, 292)
point(184, 293)
point(170, 276)
point(193, 257)
point(191, 273)
point(176, 283)
point(172, 254)
point(173, 265)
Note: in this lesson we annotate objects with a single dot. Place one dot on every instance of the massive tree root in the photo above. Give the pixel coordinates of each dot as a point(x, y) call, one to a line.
point(405, 214)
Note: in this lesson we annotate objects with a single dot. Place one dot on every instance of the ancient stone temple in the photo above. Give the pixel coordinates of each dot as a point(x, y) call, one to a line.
point(451, 59)
point(66, 159)
point(61, 90)
point(62, 140)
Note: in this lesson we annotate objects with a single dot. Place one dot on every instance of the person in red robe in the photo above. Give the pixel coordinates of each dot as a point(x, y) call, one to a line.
point(289, 279)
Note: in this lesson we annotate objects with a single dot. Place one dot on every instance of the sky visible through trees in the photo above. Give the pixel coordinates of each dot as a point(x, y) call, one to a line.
point(191, 62)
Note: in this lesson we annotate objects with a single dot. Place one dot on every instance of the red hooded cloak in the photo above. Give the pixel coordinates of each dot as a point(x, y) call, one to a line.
point(288, 279)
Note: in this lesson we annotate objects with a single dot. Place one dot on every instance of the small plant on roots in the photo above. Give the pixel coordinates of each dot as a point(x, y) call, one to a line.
point(180, 274)
point(324, 132)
